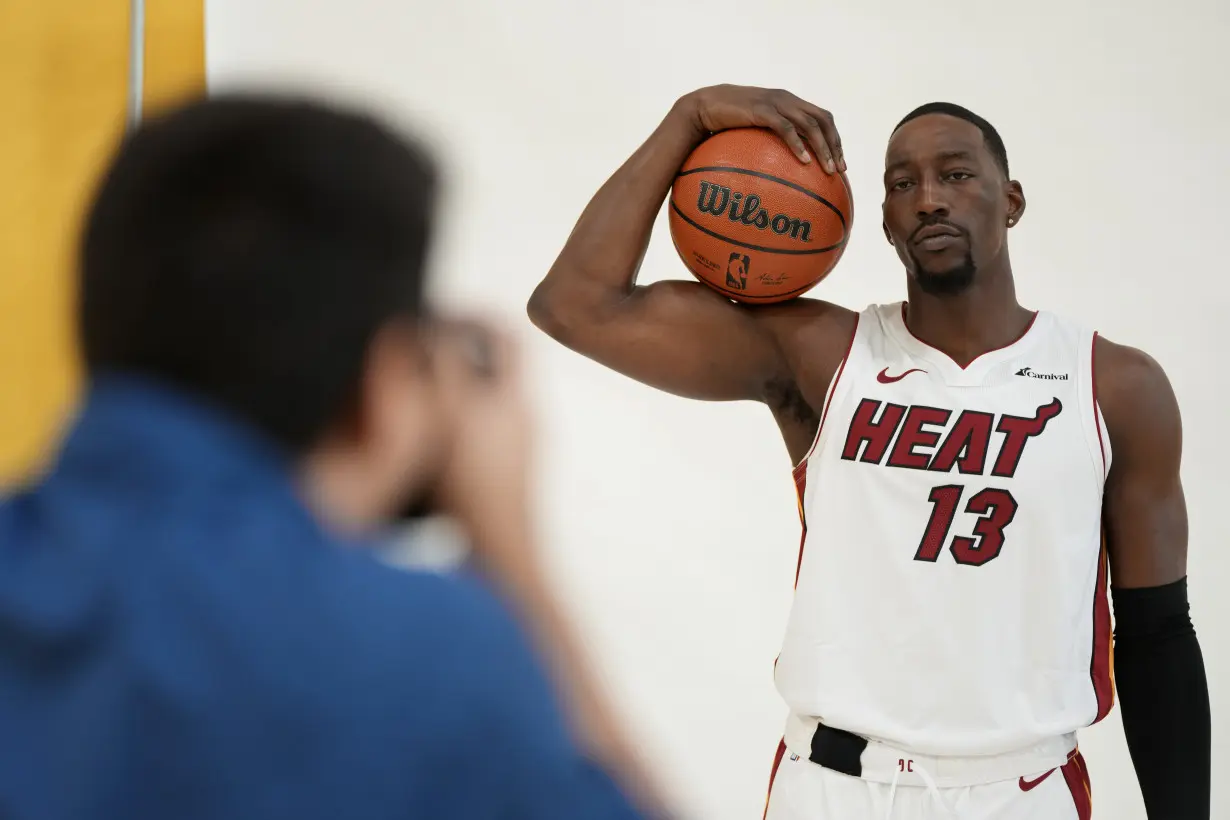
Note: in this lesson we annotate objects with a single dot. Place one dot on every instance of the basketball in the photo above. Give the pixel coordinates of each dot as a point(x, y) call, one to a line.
point(753, 222)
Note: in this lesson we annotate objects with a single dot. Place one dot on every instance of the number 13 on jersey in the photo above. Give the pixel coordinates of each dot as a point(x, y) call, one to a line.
point(995, 507)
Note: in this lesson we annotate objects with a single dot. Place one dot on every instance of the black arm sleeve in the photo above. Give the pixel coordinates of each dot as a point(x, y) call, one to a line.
point(1164, 698)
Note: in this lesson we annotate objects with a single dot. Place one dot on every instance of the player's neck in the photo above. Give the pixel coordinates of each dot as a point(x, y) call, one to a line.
point(985, 317)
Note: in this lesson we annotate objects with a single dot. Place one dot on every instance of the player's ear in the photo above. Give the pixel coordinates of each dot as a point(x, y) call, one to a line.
point(1016, 202)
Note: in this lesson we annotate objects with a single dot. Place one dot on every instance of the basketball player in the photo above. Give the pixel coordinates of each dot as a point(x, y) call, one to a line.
point(973, 476)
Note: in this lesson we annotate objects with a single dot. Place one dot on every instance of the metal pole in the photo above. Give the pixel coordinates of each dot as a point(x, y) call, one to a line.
point(136, 61)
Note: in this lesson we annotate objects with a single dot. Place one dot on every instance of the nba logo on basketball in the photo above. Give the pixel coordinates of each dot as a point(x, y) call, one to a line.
point(736, 271)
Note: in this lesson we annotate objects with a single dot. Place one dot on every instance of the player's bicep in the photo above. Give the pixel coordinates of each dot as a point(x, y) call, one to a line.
point(1145, 508)
point(1146, 525)
point(679, 337)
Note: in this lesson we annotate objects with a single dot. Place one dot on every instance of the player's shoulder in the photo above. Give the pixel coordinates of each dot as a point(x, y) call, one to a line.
point(813, 337)
point(1121, 370)
point(803, 309)
point(808, 325)
point(1133, 392)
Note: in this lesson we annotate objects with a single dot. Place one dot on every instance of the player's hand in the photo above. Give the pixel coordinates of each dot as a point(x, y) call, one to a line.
point(806, 128)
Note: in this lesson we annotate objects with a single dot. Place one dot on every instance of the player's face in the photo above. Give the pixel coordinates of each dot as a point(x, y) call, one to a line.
point(946, 202)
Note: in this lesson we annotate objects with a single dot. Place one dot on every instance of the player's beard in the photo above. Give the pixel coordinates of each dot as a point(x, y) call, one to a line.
point(949, 283)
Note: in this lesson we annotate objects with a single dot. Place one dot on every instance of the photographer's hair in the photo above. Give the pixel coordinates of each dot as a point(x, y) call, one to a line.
point(247, 249)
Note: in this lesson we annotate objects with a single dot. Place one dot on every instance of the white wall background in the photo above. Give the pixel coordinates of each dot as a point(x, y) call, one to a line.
point(671, 525)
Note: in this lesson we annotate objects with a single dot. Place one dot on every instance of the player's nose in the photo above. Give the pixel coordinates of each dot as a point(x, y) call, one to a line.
point(929, 200)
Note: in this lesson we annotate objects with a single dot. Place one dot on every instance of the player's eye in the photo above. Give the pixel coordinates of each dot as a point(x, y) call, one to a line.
point(960, 175)
point(901, 185)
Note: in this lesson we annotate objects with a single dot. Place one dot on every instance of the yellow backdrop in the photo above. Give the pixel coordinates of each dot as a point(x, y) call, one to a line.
point(63, 103)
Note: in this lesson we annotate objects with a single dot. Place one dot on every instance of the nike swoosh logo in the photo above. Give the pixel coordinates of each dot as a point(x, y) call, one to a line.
point(883, 378)
point(1028, 785)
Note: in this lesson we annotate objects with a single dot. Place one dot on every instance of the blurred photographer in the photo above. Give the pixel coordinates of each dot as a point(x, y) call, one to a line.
point(192, 624)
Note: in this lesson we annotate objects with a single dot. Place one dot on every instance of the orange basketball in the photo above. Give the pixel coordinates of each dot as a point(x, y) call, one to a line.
point(753, 222)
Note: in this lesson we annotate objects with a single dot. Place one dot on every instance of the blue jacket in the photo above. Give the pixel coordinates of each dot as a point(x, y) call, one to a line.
point(179, 639)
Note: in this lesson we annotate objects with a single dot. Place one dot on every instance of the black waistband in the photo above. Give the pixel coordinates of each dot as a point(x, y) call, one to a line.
point(838, 750)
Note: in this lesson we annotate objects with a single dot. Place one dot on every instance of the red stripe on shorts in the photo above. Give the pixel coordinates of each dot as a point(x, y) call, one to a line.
point(1077, 776)
point(777, 761)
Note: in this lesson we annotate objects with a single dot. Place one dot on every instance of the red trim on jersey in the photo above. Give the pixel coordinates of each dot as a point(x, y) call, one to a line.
point(828, 400)
point(1101, 666)
point(906, 324)
point(1076, 775)
point(800, 471)
point(1097, 418)
point(777, 762)
point(800, 486)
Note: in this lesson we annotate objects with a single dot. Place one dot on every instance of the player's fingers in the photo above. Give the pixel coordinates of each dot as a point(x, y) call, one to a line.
point(768, 116)
point(824, 122)
point(810, 126)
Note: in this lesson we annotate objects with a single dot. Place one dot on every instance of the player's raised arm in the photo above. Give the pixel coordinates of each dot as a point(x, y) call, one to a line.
point(677, 336)
point(1158, 664)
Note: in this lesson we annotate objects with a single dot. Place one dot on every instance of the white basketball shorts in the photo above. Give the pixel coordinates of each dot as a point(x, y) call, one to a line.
point(802, 790)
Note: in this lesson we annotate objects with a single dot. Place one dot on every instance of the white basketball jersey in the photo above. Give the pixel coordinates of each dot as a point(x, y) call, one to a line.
point(951, 596)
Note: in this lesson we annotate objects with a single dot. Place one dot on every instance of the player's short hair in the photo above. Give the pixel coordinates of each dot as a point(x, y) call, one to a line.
point(994, 143)
point(248, 248)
